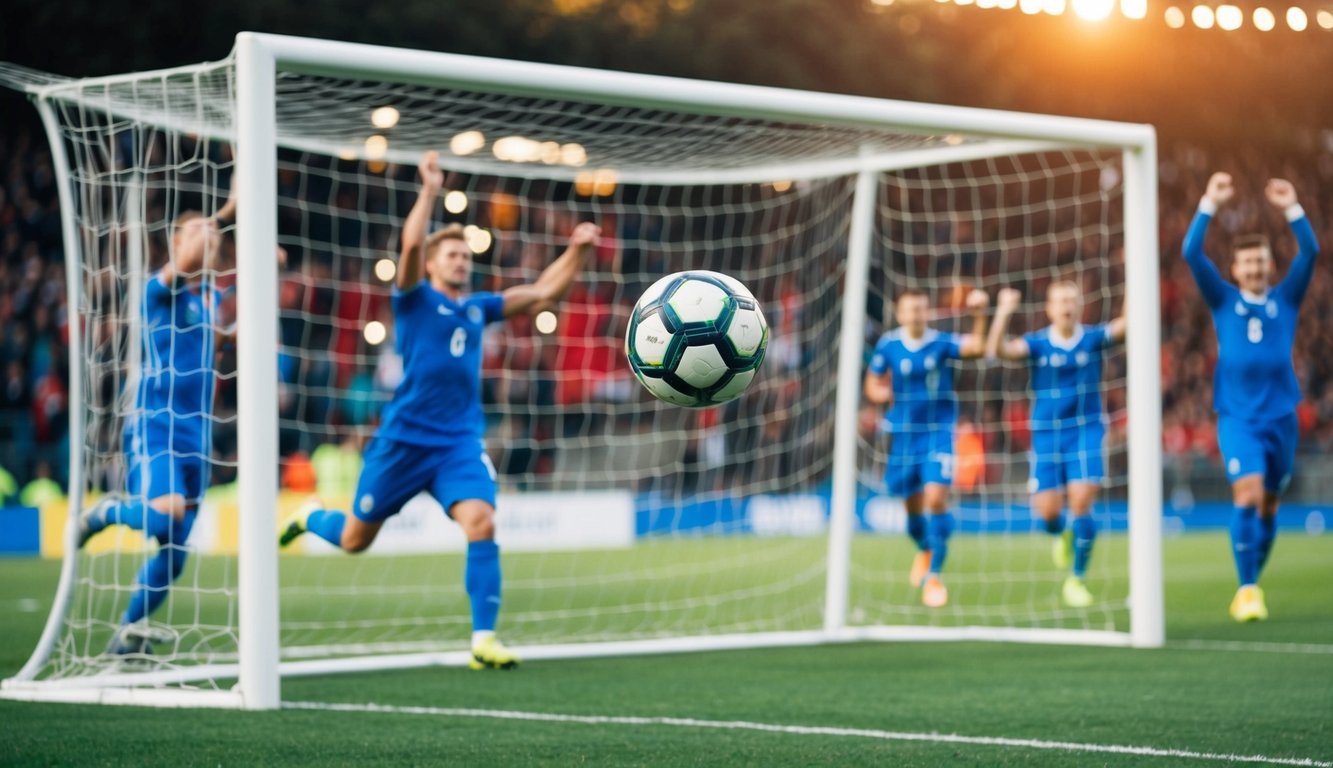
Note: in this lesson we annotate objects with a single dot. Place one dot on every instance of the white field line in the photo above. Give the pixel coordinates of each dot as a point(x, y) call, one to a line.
point(1305, 649)
point(806, 730)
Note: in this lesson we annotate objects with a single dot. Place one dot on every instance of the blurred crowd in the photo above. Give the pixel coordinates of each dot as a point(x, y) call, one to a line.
point(335, 377)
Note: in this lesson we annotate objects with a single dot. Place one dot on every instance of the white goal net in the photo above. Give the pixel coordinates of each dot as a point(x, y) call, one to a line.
point(624, 523)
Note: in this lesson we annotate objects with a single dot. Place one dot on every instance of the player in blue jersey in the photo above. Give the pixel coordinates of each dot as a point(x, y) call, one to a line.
point(167, 438)
point(430, 437)
point(1065, 364)
point(911, 372)
point(1255, 392)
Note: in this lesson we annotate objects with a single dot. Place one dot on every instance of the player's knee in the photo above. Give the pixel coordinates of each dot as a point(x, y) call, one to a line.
point(172, 504)
point(1246, 493)
point(355, 541)
point(477, 520)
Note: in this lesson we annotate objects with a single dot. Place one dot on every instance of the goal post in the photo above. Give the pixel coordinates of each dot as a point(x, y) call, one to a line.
point(789, 189)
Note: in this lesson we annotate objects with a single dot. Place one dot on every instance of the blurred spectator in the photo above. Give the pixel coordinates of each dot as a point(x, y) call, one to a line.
point(42, 489)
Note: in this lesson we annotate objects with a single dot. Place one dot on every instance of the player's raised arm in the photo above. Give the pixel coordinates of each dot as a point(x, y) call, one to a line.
point(554, 281)
point(1006, 303)
point(1220, 190)
point(1282, 195)
point(412, 261)
point(974, 344)
point(1115, 330)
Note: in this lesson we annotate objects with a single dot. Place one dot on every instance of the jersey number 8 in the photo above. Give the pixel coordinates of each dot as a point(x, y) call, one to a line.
point(1255, 330)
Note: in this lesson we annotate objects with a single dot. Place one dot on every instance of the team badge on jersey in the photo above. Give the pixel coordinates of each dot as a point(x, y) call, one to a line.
point(474, 313)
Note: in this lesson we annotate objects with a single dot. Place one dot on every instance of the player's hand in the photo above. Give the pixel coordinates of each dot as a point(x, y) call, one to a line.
point(432, 178)
point(1280, 193)
point(1220, 189)
point(585, 235)
point(282, 257)
point(977, 300)
point(1008, 298)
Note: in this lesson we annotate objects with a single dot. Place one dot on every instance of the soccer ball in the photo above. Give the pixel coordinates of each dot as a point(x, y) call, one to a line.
point(696, 338)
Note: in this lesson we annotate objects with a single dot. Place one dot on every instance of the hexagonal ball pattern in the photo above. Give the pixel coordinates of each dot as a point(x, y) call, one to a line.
point(654, 291)
point(695, 301)
point(736, 286)
point(746, 332)
point(651, 339)
point(664, 391)
point(732, 389)
point(701, 366)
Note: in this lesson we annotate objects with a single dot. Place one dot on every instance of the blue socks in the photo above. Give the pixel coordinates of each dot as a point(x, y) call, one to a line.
point(1085, 532)
point(1267, 532)
point(941, 526)
point(916, 528)
point(154, 581)
point(1055, 525)
point(1245, 544)
point(482, 580)
point(327, 524)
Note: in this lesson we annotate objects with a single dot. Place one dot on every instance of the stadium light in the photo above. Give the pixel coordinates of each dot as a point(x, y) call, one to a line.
point(1230, 17)
point(1053, 7)
point(987, 3)
point(375, 333)
point(573, 154)
point(1030, 7)
point(1202, 16)
point(546, 321)
point(467, 142)
point(376, 147)
point(781, 186)
point(1264, 21)
point(384, 118)
point(477, 239)
point(1093, 10)
point(1007, 5)
point(386, 270)
point(1325, 19)
point(346, 153)
point(963, 2)
point(1175, 18)
point(1296, 19)
point(455, 202)
point(1134, 9)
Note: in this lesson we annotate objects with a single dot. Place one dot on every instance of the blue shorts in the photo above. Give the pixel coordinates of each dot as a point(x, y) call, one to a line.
point(1259, 448)
point(917, 458)
point(393, 472)
point(156, 470)
point(1063, 456)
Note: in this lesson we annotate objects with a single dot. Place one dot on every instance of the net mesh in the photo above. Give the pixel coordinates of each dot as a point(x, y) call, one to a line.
point(669, 522)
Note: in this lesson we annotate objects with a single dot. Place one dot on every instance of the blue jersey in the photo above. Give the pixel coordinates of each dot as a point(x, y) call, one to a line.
point(438, 402)
point(1066, 377)
point(174, 399)
point(1254, 379)
point(923, 395)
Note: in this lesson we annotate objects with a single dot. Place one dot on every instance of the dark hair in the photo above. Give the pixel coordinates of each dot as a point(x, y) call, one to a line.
point(909, 293)
point(1246, 242)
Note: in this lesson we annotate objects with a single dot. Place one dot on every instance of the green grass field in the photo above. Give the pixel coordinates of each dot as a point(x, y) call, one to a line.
point(1217, 690)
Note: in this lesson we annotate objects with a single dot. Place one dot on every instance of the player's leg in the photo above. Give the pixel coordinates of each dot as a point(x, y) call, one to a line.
point(176, 486)
point(1084, 471)
point(940, 522)
point(391, 474)
point(902, 479)
point(1280, 448)
point(1246, 464)
point(464, 485)
point(142, 498)
point(1046, 482)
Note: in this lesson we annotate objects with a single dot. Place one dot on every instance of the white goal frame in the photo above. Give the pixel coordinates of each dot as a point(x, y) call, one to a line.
point(260, 57)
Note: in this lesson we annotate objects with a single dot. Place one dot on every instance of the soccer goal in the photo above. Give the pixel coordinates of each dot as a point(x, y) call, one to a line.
point(626, 525)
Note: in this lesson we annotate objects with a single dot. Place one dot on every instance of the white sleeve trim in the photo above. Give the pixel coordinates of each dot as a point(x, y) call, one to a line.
point(1206, 205)
point(1294, 212)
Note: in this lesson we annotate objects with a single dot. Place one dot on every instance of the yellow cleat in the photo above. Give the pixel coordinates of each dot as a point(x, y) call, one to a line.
point(920, 567)
point(1075, 593)
point(490, 653)
point(1248, 604)
point(934, 594)
point(1062, 551)
point(295, 524)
